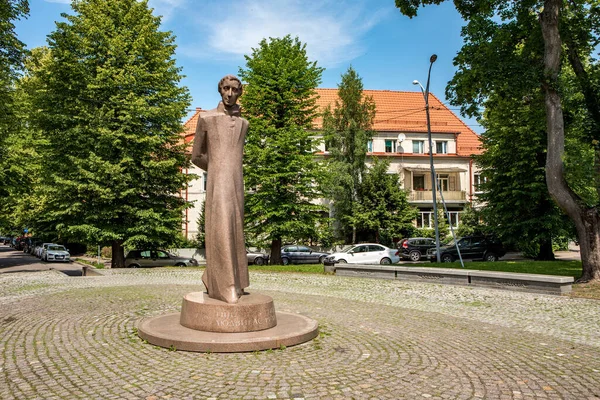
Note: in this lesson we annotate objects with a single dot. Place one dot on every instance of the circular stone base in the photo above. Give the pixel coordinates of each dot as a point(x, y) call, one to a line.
point(166, 331)
point(252, 312)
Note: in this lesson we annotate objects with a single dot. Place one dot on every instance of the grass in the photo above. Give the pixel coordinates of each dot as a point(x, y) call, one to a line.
point(305, 268)
point(94, 264)
point(564, 268)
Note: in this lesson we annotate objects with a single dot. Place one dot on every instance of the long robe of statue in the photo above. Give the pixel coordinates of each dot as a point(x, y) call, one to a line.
point(218, 149)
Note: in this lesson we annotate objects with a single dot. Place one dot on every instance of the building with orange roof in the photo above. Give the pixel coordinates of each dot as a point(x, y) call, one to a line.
point(401, 136)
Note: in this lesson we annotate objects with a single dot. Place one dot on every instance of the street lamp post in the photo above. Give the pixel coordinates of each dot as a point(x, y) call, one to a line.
point(425, 92)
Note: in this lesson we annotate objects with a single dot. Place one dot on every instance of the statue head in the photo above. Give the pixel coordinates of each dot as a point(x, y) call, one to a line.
point(230, 88)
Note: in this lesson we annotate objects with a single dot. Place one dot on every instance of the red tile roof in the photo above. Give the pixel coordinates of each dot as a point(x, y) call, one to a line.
point(395, 112)
point(405, 112)
point(189, 127)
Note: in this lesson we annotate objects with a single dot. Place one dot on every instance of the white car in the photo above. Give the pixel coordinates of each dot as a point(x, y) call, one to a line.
point(39, 251)
point(56, 252)
point(365, 253)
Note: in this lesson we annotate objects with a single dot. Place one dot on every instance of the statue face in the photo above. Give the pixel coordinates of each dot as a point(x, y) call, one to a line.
point(230, 91)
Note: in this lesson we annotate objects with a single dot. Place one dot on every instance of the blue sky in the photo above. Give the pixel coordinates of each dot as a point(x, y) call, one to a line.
point(388, 50)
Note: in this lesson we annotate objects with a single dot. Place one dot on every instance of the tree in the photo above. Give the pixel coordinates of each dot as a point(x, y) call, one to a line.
point(507, 45)
point(470, 222)
point(12, 53)
point(515, 180)
point(280, 170)
point(109, 107)
point(382, 208)
point(347, 130)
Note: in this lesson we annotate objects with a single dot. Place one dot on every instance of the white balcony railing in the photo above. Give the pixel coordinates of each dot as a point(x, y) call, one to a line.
point(426, 195)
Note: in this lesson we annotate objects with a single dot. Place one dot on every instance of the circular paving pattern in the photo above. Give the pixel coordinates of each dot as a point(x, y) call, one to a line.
point(75, 338)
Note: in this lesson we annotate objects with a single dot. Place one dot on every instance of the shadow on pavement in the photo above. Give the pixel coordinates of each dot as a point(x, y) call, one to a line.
point(12, 260)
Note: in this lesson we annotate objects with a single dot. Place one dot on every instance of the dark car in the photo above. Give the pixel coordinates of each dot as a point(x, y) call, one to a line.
point(257, 258)
point(156, 258)
point(415, 248)
point(471, 247)
point(294, 254)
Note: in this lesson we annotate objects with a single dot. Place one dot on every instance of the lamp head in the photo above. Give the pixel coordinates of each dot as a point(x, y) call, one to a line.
point(416, 82)
point(433, 58)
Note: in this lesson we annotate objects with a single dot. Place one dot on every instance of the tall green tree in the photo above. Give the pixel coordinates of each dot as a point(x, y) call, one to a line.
point(280, 170)
point(346, 130)
point(515, 180)
point(508, 45)
point(109, 106)
point(382, 210)
point(12, 53)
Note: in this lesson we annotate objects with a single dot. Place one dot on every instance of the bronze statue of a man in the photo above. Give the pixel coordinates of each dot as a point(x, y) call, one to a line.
point(218, 149)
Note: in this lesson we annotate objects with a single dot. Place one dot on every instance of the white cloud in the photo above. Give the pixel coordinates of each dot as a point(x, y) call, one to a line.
point(166, 8)
point(332, 30)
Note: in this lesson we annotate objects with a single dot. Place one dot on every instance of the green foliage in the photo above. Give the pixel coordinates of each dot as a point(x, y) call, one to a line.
point(346, 131)
point(201, 235)
point(471, 222)
point(279, 166)
point(382, 208)
point(13, 154)
point(516, 181)
point(109, 107)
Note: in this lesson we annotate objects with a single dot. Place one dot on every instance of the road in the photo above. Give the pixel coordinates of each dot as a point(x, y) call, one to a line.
point(12, 260)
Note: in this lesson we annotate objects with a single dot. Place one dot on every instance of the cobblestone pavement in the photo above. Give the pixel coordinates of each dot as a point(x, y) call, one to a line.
point(75, 338)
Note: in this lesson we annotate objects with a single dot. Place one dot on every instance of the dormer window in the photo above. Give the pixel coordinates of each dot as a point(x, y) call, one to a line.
point(441, 147)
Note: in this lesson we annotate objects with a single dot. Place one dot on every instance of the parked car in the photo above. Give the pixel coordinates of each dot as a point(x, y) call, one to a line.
point(471, 247)
point(39, 252)
point(293, 254)
point(156, 258)
point(415, 248)
point(257, 258)
point(365, 253)
point(56, 252)
point(28, 244)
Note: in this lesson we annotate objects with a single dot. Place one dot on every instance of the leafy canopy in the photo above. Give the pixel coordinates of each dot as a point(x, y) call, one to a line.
point(280, 171)
point(346, 131)
point(109, 106)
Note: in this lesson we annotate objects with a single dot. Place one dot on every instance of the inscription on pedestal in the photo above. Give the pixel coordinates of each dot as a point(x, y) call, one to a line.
point(253, 312)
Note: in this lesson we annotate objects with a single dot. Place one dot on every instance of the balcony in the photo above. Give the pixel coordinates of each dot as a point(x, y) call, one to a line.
point(426, 195)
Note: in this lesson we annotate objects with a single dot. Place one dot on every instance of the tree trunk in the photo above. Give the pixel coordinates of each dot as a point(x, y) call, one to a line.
point(545, 253)
point(118, 255)
point(586, 219)
point(588, 232)
point(276, 252)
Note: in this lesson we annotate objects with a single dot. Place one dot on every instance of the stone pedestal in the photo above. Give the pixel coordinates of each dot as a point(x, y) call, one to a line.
point(253, 312)
point(209, 325)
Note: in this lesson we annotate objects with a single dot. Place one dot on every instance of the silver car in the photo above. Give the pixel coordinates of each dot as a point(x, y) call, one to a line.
point(257, 258)
point(156, 258)
point(56, 252)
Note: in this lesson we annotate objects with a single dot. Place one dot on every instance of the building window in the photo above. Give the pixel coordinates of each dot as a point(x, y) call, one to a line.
point(441, 147)
point(443, 182)
point(418, 146)
point(418, 182)
point(204, 178)
point(390, 146)
point(453, 218)
point(425, 219)
point(370, 146)
point(478, 180)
